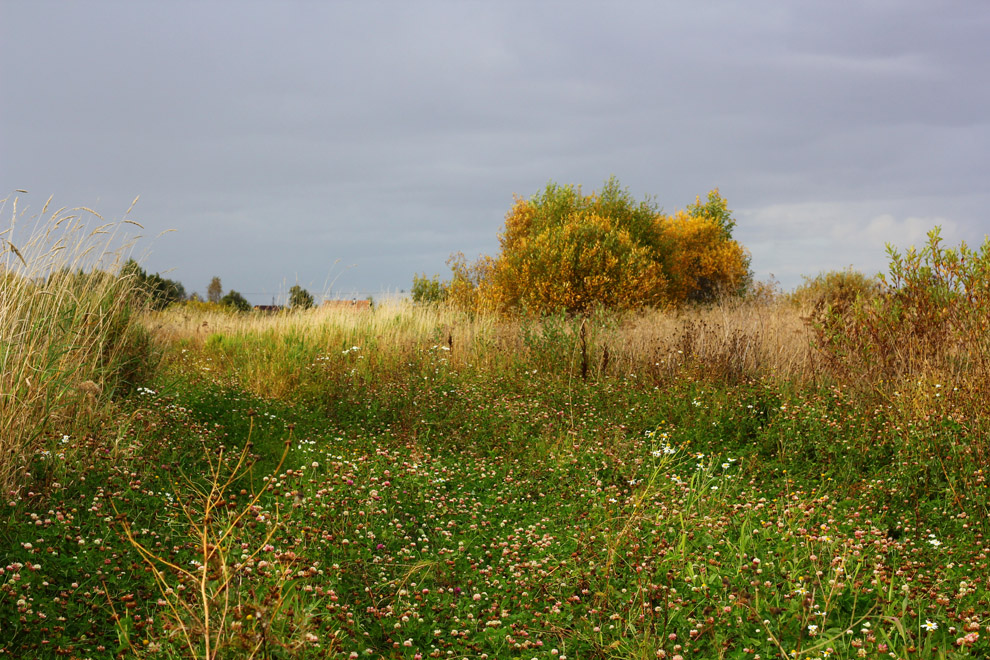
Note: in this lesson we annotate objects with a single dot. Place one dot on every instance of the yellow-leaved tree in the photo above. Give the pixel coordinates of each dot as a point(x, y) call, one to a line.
point(565, 251)
point(705, 260)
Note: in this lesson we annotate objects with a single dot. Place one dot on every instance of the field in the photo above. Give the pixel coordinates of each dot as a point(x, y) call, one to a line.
point(413, 482)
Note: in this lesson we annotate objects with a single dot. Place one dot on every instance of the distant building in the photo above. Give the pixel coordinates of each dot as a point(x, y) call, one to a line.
point(268, 309)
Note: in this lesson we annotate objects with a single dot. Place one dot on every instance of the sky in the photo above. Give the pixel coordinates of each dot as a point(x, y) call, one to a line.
point(346, 146)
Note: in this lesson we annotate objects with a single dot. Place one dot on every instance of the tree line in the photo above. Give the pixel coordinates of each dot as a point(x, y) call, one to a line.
point(160, 292)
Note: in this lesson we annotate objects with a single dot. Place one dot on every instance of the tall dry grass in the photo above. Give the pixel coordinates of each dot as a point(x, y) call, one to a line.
point(732, 340)
point(395, 322)
point(272, 355)
point(68, 332)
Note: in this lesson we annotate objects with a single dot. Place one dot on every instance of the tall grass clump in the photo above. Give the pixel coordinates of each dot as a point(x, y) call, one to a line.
point(69, 339)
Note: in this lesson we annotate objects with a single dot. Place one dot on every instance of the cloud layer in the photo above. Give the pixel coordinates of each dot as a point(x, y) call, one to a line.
point(360, 143)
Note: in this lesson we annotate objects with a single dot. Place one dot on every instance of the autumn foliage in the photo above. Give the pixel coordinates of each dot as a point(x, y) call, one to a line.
point(565, 251)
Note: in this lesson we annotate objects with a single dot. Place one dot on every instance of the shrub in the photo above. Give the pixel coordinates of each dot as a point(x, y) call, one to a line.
point(428, 290)
point(566, 251)
point(833, 294)
point(931, 318)
point(470, 287)
point(199, 306)
point(702, 263)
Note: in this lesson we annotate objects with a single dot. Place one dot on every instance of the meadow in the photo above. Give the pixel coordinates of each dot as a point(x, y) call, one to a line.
point(415, 482)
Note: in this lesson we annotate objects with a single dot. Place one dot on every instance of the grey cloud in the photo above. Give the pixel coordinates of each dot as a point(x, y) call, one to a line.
point(280, 137)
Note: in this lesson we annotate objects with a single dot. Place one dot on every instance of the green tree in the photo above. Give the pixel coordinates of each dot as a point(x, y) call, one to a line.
point(236, 301)
point(161, 292)
point(214, 291)
point(428, 290)
point(300, 298)
point(716, 210)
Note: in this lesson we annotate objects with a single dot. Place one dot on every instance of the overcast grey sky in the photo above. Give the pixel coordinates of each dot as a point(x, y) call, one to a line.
point(363, 142)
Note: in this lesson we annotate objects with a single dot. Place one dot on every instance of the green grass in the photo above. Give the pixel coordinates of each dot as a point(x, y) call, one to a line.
point(430, 507)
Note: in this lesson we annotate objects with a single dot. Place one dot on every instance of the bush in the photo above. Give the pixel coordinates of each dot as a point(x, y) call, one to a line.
point(833, 294)
point(566, 251)
point(428, 290)
point(199, 306)
point(470, 286)
point(932, 318)
point(703, 262)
